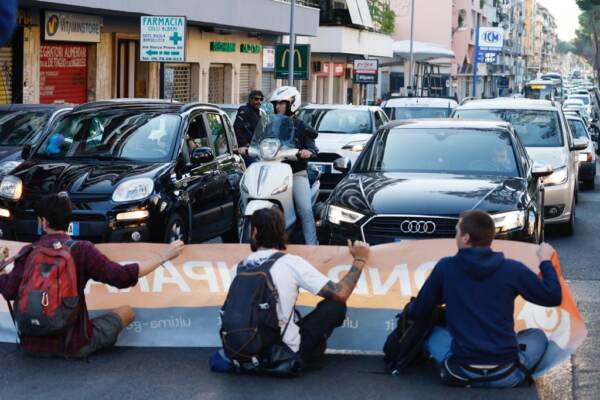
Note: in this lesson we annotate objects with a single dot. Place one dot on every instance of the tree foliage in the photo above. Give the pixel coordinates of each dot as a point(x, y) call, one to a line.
point(563, 47)
point(587, 41)
point(383, 16)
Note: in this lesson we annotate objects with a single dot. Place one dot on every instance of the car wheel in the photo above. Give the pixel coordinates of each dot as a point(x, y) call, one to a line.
point(176, 229)
point(568, 228)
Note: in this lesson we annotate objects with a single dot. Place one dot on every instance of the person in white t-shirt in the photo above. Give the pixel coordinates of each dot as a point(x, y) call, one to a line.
point(290, 273)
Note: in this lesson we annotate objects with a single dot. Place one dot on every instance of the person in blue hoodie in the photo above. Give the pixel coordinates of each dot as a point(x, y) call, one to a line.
point(479, 347)
point(8, 19)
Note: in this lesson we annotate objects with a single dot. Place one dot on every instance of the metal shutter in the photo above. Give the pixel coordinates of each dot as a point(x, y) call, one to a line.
point(216, 84)
point(244, 82)
point(6, 66)
point(178, 82)
point(63, 73)
point(268, 83)
point(302, 86)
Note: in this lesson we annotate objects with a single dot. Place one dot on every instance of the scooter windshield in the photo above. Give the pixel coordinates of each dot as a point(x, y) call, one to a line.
point(275, 127)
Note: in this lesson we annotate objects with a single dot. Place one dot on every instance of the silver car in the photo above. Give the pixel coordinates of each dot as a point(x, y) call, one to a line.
point(543, 129)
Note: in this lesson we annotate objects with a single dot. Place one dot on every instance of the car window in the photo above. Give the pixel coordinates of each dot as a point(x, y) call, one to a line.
point(536, 128)
point(21, 127)
point(128, 134)
point(310, 116)
point(578, 128)
point(196, 134)
point(398, 113)
point(379, 122)
point(218, 134)
point(450, 151)
point(345, 121)
point(584, 99)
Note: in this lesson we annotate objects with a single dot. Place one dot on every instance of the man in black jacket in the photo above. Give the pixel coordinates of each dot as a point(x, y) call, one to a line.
point(246, 121)
point(479, 287)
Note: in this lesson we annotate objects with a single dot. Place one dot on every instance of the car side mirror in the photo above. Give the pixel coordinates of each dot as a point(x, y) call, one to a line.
point(202, 155)
point(26, 151)
point(541, 170)
point(342, 164)
point(580, 144)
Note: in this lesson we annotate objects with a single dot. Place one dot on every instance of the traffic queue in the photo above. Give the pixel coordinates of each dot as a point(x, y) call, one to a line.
point(141, 170)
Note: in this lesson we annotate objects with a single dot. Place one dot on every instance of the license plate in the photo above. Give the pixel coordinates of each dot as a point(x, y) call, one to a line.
point(323, 168)
point(73, 229)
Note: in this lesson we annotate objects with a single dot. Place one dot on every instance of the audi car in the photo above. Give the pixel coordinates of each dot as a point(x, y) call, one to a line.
point(415, 178)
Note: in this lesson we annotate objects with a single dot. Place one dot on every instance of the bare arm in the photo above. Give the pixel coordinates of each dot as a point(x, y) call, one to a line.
point(342, 290)
point(151, 264)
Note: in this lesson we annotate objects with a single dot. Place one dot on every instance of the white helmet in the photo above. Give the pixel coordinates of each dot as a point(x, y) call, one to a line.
point(289, 94)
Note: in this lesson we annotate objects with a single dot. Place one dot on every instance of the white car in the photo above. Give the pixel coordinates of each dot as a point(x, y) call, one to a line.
point(344, 130)
point(418, 107)
point(575, 104)
point(586, 99)
point(587, 157)
point(542, 127)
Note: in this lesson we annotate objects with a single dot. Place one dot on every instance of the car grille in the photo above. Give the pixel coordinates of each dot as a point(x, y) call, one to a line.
point(386, 229)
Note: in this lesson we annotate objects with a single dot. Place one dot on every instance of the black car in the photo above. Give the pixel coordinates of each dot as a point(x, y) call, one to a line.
point(23, 124)
point(135, 171)
point(415, 178)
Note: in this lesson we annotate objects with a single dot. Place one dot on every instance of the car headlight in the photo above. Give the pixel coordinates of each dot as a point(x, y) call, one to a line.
point(282, 188)
point(134, 189)
point(509, 221)
point(8, 166)
point(336, 215)
point(269, 148)
point(11, 187)
point(356, 146)
point(558, 177)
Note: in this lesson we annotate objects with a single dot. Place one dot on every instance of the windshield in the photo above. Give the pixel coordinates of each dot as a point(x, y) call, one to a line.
point(397, 113)
point(276, 127)
point(450, 151)
point(18, 128)
point(539, 92)
point(585, 99)
point(578, 129)
point(115, 134)
point(536, 128)
point(345, 121)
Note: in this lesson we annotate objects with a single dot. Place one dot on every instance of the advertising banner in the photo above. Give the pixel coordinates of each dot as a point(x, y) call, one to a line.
point(69, 27)
point(366, 71)
point(162, 39)
point(178, 305)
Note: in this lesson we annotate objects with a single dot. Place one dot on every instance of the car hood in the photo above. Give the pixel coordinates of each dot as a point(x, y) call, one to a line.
point(81, 178)
point(555, 156)
point(10, 153)
point(333, 142)
point(427, 194)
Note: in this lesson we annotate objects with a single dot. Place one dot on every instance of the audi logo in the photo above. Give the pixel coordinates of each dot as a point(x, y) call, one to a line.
point(415, 227)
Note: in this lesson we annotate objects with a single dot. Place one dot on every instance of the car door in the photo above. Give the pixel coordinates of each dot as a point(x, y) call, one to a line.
point(227, 173)
point(198, 180)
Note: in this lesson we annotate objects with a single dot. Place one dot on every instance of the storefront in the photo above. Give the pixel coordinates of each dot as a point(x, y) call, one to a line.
point(11, 62)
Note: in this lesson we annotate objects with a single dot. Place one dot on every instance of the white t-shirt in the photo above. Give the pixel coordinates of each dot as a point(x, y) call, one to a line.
point(290, 273)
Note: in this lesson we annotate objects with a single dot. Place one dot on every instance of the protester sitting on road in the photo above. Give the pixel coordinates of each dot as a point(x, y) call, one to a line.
point(479, 287)
point(307, 336)
point(82, 336)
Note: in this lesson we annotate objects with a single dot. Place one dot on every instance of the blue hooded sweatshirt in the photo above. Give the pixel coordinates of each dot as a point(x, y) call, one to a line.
point(8, 19)
point(479, 287)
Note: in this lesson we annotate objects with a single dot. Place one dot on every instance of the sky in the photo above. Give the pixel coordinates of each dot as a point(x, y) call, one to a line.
point(566, 13)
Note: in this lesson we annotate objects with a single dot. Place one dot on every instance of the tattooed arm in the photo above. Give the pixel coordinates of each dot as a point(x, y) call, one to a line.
point(341, 290)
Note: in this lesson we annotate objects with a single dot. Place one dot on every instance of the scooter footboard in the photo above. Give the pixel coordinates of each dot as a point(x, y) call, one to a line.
point(255, 205)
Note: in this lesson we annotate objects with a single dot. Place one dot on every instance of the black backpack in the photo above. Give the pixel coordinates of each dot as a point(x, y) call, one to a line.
point(405, 346)
point(249, 322)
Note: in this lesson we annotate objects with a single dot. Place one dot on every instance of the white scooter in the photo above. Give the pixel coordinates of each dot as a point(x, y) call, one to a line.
point(268, 182)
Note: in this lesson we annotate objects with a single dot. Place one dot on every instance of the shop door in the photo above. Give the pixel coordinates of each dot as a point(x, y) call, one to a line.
point(63, 73)
point(6, 75)
point(132, 75)
point(245, 83)
point(216, 84)
point(177, 80)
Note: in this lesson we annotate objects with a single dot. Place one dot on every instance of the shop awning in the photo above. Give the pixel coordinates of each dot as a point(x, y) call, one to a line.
point(359, 13)
point(422, 51)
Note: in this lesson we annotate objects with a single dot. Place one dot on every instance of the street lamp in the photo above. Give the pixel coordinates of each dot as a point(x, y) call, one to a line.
point(292, 44)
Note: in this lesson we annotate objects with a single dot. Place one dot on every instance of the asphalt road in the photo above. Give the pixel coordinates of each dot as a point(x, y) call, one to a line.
point(171, 373)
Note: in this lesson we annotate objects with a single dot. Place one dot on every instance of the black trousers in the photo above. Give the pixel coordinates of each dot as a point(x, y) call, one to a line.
point(317, 326)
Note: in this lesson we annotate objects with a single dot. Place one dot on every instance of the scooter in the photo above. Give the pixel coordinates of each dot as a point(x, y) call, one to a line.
point(268, 182)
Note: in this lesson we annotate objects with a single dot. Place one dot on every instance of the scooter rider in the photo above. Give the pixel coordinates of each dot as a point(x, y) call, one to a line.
point(286, 101)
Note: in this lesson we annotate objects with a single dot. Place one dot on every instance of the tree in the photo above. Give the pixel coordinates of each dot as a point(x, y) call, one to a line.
point(383, 16)
point(563, 47)
point(587, 42)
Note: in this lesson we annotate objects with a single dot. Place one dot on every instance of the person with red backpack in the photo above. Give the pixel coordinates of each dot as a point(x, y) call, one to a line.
point(47, 286)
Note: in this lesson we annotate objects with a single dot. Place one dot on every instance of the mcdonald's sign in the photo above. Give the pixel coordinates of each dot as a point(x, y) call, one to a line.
point(301, 61)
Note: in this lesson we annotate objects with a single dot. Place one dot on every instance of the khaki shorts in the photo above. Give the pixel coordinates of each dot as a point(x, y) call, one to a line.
point(106, 330)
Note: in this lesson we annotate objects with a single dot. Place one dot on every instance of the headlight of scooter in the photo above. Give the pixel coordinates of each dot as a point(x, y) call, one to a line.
point(269, 148)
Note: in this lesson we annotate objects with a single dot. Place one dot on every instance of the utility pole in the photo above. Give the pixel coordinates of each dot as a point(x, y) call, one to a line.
point(292, 44)
point(476, 61)
point(412, 56)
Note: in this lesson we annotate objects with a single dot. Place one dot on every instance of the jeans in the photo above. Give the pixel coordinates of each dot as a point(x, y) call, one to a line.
point(317, 326)
point(303, 203)
point(534, 342)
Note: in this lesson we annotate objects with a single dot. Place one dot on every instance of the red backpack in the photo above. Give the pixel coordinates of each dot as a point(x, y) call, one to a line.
point(48, 299)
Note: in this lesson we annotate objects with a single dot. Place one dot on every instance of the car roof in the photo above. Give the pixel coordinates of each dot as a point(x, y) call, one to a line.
point(164, 106)
point(35, 107)
point(421, 101)
point(540, 82)
point(572, 99)
point(574, 116)
point(339, 107)
point(509, 104)
point(449, 123)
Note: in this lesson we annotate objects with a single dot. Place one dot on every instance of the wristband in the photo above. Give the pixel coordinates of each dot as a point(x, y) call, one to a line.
point(360, 259)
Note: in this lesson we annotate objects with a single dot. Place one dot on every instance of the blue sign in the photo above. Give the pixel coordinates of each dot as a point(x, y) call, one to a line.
point(485, 57)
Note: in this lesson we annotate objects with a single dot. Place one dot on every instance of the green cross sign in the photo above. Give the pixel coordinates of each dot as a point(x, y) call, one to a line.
point(175, 38)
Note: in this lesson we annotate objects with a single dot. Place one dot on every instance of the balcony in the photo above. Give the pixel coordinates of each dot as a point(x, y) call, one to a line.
point(345, 40)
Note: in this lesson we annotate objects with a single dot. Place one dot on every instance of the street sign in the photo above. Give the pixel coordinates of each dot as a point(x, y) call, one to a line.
point(491, 39)
point(366, 72)
point(301, 61)
point(162, 39)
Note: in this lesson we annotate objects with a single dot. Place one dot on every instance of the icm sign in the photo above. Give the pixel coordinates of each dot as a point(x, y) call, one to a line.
point(491, 38)
point(68, 27)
